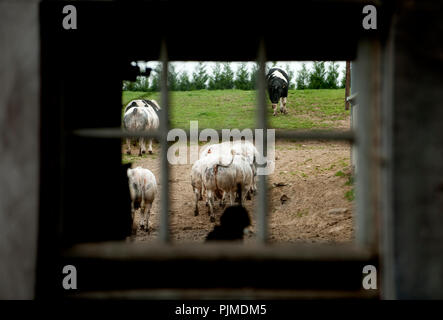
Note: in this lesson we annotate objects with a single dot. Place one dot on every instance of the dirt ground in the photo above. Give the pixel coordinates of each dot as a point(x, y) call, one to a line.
point(312, 176)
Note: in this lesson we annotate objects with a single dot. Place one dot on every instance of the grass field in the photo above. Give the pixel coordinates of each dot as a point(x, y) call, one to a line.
point(219, 109)
point(314, 176)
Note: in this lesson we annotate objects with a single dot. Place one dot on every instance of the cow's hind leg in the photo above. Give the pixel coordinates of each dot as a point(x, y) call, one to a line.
point(134, 225)
point(232, 197)
point(142, 147)
point(148, 207)
point(210, 196)
point(197, 194)
point(274, 107)
point(223, 200)
point(142, 216)
point(283, 105)
point(128, 146)
point(150, 146)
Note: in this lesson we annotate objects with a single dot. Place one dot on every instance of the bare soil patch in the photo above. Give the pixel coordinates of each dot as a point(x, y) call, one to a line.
point(314, 206)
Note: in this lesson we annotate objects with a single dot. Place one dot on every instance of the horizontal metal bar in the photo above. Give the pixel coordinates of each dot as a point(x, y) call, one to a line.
point(215, 251)
point(193, 266)
point(221, 293)
point(110, 133)
point(347, 135)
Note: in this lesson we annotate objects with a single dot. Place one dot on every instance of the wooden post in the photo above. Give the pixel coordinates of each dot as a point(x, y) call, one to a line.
point(348, 83)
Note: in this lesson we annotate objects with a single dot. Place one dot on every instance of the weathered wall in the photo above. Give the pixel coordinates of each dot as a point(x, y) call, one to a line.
point(413, 230)
point(19, 147)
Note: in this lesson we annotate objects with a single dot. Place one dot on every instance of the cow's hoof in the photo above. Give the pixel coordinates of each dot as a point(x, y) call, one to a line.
point(128, 152)
point(142, 227)
point(143, 151)
point(274, 114)
point(150, 151)
point(195, 213)
point(212, 219)
point(248, 196)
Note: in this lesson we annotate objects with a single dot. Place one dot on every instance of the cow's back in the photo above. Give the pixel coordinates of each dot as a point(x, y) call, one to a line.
point(141, 115)
point(277, 73)
point(142, 184)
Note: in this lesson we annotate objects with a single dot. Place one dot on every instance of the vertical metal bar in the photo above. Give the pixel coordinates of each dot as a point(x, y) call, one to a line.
point(348, 84)
point(352, 116)
point(366, 81)
point(164, 127)
point(262, 203)
point(386, 245)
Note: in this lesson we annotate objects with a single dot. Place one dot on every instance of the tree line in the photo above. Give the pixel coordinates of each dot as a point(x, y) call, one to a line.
point(321, 76)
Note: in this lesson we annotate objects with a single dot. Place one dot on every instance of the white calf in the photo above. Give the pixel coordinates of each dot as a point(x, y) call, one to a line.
point(143, 188)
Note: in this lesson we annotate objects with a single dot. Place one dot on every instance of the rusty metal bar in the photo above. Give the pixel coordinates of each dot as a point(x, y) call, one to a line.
point(348, 84)
point(366, 84)
point(347, 135)
point(164, 128)
point(124, 251)
point(110, 133)
point(262, 200)
point(224, 293)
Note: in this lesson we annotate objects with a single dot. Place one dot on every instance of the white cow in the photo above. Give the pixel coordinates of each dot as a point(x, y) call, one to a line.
point(226, 179)
point(141, 116)
point(143, 188)
point(197, 172)
point(196, 181)
point(245, 148)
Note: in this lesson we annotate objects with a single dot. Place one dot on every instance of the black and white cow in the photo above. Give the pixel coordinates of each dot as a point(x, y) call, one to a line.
point(278, 83)
point(139, 116)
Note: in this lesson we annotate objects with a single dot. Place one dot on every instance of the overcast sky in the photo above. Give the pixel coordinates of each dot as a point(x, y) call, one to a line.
point(189, 67)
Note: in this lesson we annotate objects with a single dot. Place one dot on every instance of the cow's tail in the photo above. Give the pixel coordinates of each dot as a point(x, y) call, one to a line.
point(218, 191)
point(232, 159)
